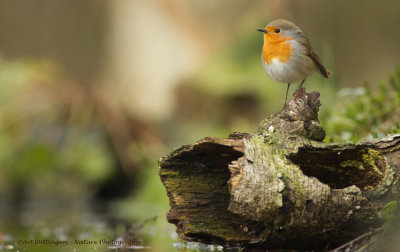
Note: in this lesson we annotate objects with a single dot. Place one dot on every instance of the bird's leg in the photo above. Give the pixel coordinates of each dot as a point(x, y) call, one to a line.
point(300, 90)
point(301, 84)
point(287, 91)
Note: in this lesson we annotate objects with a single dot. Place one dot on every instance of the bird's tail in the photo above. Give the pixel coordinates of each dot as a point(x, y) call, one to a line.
point(321, 68)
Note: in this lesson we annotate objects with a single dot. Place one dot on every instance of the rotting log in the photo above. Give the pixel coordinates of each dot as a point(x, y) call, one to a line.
point(281, 187)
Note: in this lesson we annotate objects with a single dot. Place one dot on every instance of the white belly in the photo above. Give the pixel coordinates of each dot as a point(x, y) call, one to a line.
point(298, 68)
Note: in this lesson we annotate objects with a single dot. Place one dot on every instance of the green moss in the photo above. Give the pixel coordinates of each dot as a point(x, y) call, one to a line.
point(371, 157)
point(395, 149)
point(352, 163)
point(279, 146)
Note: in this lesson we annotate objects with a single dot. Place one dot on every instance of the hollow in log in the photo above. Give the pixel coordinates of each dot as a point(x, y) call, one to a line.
point(281, 187)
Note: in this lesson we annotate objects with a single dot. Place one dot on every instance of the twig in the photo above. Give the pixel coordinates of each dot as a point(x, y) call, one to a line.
point(349, 245)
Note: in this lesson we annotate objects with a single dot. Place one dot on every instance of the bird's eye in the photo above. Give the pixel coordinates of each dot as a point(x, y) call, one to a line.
point(277, 30)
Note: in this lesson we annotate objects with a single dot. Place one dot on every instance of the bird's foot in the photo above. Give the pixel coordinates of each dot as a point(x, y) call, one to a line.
point(283, 108)
point(300, 92)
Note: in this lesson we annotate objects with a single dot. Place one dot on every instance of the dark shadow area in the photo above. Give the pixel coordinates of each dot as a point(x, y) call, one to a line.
point(338, 168)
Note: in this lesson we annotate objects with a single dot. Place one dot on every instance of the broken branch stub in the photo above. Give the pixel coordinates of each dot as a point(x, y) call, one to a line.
point(299, 117)
point(281, 187)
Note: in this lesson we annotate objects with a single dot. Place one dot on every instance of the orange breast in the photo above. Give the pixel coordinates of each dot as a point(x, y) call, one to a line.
point(279, 49)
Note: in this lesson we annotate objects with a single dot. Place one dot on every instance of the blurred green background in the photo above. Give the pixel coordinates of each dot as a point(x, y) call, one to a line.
point(93, 92)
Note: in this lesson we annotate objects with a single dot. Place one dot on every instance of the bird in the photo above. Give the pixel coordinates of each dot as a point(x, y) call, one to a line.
point(287, 55)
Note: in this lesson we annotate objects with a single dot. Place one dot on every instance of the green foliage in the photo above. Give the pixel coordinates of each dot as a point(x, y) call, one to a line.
point(390, 211)
point(390, 214)
point(42, 136)
point(364, 114)
point(55, 154)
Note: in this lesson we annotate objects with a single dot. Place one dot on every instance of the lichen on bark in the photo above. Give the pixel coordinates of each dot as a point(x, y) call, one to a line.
point(299, 117)
point(280, 187)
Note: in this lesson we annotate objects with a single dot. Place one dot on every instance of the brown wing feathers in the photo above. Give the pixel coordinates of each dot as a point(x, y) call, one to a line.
point(312, 54)
point(317, 61)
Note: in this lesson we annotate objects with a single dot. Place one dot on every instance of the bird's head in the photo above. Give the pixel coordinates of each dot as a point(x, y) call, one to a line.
point(280, 29)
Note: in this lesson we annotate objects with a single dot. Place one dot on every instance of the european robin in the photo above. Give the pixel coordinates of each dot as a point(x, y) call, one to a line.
point(287, 55)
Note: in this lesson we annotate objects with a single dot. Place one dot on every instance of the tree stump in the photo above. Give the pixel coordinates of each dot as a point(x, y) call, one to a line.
point(282, 187)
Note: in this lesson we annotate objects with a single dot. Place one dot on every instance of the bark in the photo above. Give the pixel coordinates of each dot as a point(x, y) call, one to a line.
point(280, 187)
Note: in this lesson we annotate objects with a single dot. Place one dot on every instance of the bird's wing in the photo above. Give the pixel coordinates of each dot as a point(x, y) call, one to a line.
point(317, 61)
point(314, 56)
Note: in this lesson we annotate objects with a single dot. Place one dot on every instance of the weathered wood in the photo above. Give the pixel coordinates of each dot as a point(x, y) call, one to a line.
point(300, 117)
point(278, 188)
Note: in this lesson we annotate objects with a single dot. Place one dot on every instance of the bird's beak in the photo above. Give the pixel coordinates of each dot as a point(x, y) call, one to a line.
point(262, 30)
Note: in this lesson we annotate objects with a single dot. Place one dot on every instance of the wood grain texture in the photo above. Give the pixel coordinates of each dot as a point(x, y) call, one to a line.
point(278, 188)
